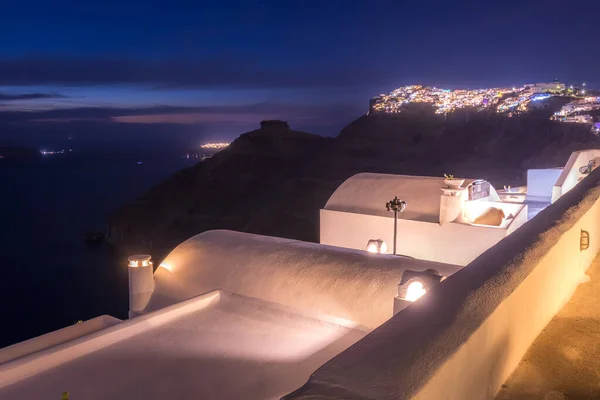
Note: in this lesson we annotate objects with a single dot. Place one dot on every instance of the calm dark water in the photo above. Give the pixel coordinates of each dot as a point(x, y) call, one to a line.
point(49, 277)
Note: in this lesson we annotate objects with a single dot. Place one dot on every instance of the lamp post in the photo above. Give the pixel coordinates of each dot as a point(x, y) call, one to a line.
point(396, 205)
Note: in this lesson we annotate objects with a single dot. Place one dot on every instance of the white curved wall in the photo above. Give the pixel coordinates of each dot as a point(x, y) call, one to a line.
point(313, 278)
point(570, 175)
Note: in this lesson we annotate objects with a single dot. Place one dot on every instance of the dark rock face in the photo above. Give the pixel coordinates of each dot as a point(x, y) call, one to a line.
point(274, 180)
point(276, 124)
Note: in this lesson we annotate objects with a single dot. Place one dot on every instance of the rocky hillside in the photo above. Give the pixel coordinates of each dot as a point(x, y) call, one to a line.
point(274, 180)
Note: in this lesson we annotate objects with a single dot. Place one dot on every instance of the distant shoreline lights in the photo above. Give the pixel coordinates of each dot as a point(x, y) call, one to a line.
point(215, 146)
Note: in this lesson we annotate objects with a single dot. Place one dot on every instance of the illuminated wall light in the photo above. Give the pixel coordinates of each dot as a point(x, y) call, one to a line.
point(584, 240)
point(415, 291)
point(414, 285)
point(377, 246)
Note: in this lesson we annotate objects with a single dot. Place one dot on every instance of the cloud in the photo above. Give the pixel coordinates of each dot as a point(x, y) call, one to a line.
point(30, 96)
point(211, 73)
point(322, 119)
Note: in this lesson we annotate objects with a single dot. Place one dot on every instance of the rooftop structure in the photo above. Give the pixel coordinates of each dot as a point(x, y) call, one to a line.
point(438, 220)
point(229, 315)
point(226, 315)
point(216, 346)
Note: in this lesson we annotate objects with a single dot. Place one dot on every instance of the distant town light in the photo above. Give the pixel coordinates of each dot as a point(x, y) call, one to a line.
point(215, 146)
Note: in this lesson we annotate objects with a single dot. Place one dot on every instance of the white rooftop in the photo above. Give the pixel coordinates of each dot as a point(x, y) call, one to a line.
point(218, 346)
point(312, 278)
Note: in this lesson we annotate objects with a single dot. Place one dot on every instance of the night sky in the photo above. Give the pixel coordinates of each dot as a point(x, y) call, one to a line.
point(170, 73)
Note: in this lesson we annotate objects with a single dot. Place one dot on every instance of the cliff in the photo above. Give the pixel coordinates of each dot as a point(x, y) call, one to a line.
point(259, 184)
point(274, 180)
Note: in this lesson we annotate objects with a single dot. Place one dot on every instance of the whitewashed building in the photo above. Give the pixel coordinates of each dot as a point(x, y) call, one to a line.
point(436, 225)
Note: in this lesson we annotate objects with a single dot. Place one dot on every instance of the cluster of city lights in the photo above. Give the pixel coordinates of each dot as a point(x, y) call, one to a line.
point(572, 112)
point(52, 152)
point(215, 146)
point(515, 99)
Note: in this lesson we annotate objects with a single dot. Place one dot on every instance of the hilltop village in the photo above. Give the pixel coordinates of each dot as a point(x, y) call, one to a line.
point(582, 104)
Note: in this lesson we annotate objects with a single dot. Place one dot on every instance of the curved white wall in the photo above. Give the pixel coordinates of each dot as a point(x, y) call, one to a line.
point(570, 175)
point(313, 278)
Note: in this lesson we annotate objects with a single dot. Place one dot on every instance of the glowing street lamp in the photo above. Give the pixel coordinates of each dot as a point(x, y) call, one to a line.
point(396, 205)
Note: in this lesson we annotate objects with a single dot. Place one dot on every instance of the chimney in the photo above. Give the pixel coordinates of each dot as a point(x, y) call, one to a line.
point(141, 283)
point(452, 204)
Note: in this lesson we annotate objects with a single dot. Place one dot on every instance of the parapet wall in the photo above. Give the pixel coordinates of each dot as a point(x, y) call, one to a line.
point(571, 175)
point(466, 336)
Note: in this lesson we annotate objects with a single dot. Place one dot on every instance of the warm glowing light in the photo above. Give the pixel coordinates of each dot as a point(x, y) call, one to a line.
point(415, 291)
point(218, 146)
point(383, 248)
point(139, 260)
point(166, 266)
point(377, 246)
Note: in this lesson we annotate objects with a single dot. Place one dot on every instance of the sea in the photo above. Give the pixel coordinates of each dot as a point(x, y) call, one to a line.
point(50, 277)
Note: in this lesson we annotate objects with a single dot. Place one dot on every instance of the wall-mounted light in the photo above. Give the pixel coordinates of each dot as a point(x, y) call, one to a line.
point(414, 285)
point(377, 246)
point(584, 240)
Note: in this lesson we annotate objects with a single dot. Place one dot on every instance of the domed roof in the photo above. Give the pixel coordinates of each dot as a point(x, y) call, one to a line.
point(367, 193)
point(309, 277)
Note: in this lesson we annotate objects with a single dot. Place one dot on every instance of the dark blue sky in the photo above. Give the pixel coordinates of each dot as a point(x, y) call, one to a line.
point(186, 72)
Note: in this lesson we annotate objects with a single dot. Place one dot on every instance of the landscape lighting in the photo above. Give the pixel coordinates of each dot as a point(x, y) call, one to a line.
point(377, 246)
point(414, 285)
